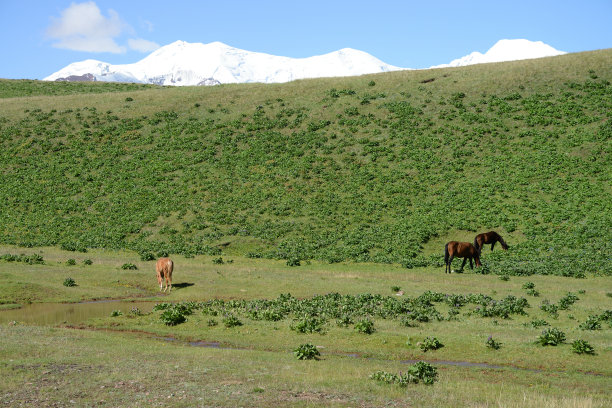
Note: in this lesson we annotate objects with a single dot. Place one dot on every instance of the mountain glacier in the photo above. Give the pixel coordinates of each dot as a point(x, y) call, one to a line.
point(506, 50)
point(186, 64)
point(183, 64)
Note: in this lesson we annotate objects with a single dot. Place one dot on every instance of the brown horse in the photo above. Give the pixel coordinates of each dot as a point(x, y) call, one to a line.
point(164, 269)
point(490, 237)
point(463, 250)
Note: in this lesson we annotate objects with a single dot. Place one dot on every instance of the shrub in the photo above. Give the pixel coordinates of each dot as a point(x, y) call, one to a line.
point(147, 256)
point(550, 308)
point(87, 262)
point(344, 320)
point(218, 261)
point(116, 313)
point(592, 323)
point(293, 262)
point(528, 285)
point(420, 371)
point(536, 323)
point(492, 343)
point(430, 343)
point(71, 262)
point(424, 371)
point(211, 323)
point(568, 300)
point(365, 326)
point(135, 311)
point(551, 337)
point(129, 266)
point(306, 352)
point(395, 289)
point(533, 292)
point(172, 316)
point(231, 321)
point(29, 259)
point(582, 347)
point(309, 325)
point(69, 282)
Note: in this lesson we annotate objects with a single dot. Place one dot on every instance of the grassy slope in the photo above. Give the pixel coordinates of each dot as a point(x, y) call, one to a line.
point(367, 168)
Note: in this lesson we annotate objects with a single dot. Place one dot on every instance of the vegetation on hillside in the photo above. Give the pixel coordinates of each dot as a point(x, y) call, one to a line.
point(366, 169)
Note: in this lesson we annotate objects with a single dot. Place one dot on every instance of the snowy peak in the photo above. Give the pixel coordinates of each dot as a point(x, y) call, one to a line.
point(506, 50)
point(183, 63)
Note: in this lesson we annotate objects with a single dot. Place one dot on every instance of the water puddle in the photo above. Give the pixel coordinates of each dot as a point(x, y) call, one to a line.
point(49, 314)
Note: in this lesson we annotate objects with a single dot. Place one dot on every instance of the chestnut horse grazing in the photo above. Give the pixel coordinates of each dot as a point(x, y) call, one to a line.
point(490, 237)
point(463, 250)
point(164, 269)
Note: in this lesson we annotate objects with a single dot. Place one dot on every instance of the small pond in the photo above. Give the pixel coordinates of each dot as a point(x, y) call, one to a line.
point(69, 313)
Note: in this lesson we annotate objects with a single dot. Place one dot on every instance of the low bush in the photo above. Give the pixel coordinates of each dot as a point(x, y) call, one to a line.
point(306, 352)
point(551, 337)
point(421, 371)
point(172, 316)
point(430, 343)
point(365, 326)
point(592, 323)
point(493, 344)
point(129, 266)
point(537, 323)
point(309, 325)
point(69, 282)
point(582, 347)
point(231, 321)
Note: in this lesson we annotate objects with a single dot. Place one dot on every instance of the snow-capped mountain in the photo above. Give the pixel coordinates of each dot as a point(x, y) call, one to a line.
point(182, 63)
point(506, 50)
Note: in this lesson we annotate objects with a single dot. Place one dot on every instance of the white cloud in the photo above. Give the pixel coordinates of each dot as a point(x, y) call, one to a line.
point(82, 27)
point(138, 44)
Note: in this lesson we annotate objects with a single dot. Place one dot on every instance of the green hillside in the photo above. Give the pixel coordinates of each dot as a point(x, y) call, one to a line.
point(382, 168)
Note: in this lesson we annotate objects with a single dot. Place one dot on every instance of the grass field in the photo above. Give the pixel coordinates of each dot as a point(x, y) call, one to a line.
point(137, 360)
point(312, 216)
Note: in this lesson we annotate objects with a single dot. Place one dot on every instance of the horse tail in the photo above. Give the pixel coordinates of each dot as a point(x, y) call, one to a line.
point(446, 254)
point(476, 245)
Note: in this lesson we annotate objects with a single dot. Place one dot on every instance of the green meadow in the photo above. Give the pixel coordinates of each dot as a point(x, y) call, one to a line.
point(310, 218)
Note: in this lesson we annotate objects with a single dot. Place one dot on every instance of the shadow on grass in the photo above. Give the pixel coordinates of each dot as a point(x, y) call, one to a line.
point(182, 285)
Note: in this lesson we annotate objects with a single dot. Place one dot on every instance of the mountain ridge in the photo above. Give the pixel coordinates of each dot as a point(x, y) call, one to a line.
point(187, 64)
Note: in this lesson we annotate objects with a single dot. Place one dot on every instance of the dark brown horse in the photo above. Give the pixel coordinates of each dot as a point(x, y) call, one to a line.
point(490, 237)
point(463, 250)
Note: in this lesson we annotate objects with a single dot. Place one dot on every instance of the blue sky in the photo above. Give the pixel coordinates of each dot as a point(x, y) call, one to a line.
point(39, 37)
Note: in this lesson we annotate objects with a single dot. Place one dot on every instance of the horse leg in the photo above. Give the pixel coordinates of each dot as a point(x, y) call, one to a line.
point(463, 264)
point(450, 262)
point(493, 244)
point(169, 281)
point(471, 266)
point(159, 281)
